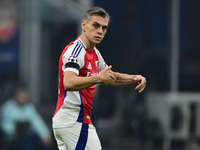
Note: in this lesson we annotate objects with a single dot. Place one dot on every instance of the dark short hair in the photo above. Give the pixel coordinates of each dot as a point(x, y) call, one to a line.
point(95, 11)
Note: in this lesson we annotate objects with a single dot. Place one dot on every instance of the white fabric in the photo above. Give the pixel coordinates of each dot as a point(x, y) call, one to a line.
point(67, 138)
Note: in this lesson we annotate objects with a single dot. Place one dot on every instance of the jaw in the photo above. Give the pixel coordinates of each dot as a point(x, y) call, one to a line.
point(90, 41)
point(94, 41)
point(97, 39)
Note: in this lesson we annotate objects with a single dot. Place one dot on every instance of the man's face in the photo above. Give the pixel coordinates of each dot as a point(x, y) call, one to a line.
point(95, 28)
point(21, 98)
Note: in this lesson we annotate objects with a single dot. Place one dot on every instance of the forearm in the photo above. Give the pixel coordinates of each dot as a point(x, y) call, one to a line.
point(77, 83)
point(122, 80)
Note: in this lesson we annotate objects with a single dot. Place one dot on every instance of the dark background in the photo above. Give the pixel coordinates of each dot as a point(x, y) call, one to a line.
point(138, 41)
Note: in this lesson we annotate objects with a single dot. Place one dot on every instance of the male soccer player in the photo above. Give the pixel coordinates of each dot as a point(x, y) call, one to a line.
point(81, 67)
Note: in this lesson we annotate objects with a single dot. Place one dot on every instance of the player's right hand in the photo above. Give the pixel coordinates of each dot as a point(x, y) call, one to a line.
point(106, 76)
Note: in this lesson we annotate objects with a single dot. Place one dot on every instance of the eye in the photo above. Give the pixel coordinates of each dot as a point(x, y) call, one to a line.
point(104, 28)
point(96, 25)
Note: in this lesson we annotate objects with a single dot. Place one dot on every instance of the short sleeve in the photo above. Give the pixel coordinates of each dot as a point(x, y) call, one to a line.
point(71, 62)
point(102, 63)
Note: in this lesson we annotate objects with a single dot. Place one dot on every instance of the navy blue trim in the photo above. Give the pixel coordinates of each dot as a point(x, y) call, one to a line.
point(75, 48)
point(78, 52)
point(82, 141)
point(65, 95)
point(79, 48)
point(81, 113)
point(81, 43)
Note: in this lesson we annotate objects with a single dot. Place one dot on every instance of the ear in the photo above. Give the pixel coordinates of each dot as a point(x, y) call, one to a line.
point(83, 24)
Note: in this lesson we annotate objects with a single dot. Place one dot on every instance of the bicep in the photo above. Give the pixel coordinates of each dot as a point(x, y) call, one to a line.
point(67, 77)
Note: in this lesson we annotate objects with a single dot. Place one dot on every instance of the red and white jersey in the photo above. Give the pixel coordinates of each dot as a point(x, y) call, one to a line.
point(76, 106)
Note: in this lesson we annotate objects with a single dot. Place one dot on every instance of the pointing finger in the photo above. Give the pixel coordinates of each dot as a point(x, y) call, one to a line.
point(107, 69)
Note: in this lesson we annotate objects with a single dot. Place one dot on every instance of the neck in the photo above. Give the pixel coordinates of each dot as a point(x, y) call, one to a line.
point(90, 46)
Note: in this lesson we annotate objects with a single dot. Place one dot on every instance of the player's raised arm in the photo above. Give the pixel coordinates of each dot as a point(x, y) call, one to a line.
point(126, 80)
point(72, 82)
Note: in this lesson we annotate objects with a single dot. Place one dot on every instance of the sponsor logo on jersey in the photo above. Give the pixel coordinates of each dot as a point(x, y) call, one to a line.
point(91, 74)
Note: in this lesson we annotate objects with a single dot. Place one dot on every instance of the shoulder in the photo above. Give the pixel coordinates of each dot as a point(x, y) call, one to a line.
point(75, 48)
point(9, 103)
point(97, 52)
point(30, 106)
point(8, 106)
point(69, 48)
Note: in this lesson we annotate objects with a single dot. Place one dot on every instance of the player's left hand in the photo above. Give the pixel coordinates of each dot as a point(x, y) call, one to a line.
point(141, 83)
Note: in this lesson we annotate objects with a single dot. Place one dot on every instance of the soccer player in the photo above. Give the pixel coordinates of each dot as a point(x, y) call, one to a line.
point(81, 67)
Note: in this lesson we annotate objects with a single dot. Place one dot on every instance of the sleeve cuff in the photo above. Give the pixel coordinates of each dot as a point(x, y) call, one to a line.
point(72, 69)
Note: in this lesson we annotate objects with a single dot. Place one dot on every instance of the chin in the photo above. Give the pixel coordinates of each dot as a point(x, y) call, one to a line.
point(97, 42)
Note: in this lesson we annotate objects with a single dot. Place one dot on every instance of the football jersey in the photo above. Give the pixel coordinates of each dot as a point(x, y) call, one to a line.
point(76, 106)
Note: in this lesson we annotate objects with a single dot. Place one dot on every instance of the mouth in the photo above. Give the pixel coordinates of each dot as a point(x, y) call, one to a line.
point(98, 38)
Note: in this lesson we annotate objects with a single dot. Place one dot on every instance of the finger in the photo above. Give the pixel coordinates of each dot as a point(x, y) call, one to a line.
point(113, 77)
point(104, 83)
point(138, 87)
point(143, 81)
point(107, 69)
point(136, 80)
point(142, 88)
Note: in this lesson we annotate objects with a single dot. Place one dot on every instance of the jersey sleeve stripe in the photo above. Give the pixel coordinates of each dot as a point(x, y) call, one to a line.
point(75, 47)
point(75, 50)
point(78, 52)
point(82, 43)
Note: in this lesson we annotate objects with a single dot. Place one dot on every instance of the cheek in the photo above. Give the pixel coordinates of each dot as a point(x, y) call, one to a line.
point(90, 32)
point(104, 33)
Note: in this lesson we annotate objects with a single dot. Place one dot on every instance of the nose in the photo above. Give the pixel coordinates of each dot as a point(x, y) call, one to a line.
point(100, 31)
